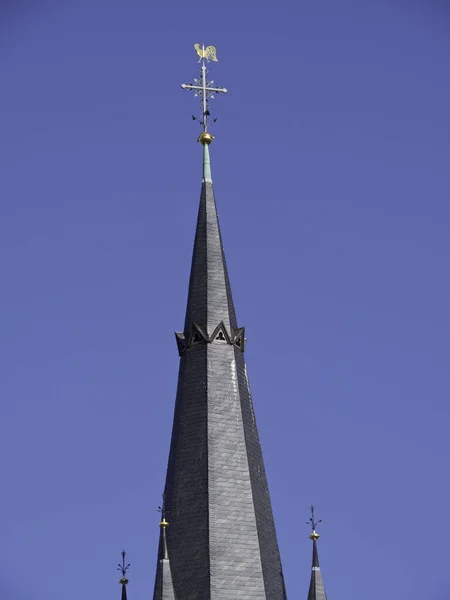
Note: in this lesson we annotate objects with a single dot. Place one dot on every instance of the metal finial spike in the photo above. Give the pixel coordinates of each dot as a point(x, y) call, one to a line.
point(163, 526)
point(313, 523)
point(123, 568)
point(204, 88)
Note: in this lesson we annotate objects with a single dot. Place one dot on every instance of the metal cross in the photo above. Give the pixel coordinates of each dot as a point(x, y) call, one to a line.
point(204, 87)
point(123, 568)
point(312, 520)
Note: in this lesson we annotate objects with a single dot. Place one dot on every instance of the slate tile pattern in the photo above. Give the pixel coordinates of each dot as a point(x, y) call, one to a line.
point(316, 587)
point(221, 536)
point(163, 582)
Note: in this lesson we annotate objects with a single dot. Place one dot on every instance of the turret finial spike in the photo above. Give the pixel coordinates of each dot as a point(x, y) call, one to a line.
point(313, 523)
point(123, 568)
point(163, 525)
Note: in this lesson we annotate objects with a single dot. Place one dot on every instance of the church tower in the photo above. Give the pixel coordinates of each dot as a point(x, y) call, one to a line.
point(219, 540)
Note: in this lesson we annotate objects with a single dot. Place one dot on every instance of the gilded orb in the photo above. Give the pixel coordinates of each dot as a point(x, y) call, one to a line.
point(205, 138)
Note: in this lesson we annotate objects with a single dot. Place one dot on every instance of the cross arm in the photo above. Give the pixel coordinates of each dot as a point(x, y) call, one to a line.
point(188, 86)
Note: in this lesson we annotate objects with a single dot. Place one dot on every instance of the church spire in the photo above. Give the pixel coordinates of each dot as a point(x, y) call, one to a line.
point(221, 540)
point(123, 568)
point(316, 587)
point(163, 583)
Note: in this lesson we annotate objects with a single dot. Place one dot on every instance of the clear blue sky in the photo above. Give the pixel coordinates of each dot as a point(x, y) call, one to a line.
point(331, 167)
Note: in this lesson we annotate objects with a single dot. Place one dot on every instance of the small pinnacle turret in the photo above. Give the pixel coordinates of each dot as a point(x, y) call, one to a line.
point(123, 568)
point(163, 583)
point(316, 587)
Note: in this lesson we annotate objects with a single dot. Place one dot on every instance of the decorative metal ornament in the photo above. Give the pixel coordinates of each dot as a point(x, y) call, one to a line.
point(205, 89)
point(313, 523)
point(163, 525)
point(209, 53)
point(123, 568)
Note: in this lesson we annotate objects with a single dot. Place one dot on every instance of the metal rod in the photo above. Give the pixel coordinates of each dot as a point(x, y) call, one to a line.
point(205, 102)
point(188, 86)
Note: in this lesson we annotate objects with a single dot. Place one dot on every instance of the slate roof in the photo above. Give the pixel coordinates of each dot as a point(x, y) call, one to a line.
point(316, 587)
point(221, 540)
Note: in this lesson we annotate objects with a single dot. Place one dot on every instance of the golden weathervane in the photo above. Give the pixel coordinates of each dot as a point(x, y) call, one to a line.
point(209, 52)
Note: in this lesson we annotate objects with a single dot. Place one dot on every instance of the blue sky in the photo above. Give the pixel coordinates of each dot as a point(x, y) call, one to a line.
point(331, 171)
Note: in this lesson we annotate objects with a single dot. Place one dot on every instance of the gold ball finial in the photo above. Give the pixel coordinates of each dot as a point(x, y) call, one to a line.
point(123, 581)
point(314, 536)
point(205, 138)
point(163, 523)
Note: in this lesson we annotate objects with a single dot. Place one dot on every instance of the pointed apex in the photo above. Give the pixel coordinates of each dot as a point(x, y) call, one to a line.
point(210, 304)
point(123, 568)
point(315, 558)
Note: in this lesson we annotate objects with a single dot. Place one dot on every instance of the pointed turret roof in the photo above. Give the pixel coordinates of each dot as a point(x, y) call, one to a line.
point(210, 300)
point(316, 587)
point(163, 582)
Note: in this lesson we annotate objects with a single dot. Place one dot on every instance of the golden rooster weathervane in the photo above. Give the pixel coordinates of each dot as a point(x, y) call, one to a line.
point(209, 53)
point(204, 88)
